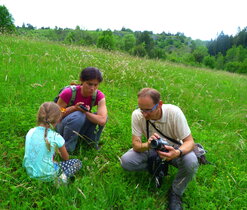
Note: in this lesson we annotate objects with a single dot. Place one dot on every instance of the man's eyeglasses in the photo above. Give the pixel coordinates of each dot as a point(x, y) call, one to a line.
point(150, 110)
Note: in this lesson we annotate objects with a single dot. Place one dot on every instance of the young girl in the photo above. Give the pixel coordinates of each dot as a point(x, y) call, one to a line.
point(41, 144)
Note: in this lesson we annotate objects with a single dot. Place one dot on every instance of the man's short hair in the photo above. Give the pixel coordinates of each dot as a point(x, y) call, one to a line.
point(152, 93)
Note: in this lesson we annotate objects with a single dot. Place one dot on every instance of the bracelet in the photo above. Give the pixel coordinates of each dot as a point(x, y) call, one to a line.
point(63, 110)
point(181, 152)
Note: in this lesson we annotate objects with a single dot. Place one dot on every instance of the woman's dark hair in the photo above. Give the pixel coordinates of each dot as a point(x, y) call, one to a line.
point(90, 73)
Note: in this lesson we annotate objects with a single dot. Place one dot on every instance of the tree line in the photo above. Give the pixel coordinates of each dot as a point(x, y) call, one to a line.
point(227, 53)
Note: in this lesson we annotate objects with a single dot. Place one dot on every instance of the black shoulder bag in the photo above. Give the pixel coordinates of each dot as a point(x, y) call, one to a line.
point(157, 167)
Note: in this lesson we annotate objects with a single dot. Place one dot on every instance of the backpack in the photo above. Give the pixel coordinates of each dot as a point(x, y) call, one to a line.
point(72, 99)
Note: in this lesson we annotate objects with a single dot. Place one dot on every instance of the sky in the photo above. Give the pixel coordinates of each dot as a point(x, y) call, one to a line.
point(198, 19)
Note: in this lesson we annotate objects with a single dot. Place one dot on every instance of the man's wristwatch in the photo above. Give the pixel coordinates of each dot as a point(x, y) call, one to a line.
point(181, 152)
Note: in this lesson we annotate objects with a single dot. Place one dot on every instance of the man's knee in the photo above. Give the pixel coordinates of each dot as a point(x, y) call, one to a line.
point(190, 163)
point(125, 162)
point(132, 161)
point(129, 162)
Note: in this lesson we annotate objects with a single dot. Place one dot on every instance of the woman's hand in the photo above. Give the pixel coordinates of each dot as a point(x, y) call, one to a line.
point(81, 107)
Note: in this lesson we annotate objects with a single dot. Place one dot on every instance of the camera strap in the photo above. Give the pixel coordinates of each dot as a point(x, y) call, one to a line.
point(170, 139)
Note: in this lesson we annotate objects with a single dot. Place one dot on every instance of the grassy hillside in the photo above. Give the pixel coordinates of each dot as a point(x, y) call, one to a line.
point(215, 104)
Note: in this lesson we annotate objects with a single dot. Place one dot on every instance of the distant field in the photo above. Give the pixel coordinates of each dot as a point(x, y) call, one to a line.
point(214, 102)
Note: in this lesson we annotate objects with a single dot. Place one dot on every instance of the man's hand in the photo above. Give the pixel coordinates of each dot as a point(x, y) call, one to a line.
point(137, 144)
point(154, 136)
point(171, 154)
point(187, 146)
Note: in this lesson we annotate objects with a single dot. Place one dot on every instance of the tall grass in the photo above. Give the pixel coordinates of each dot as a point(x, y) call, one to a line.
point(215, 104)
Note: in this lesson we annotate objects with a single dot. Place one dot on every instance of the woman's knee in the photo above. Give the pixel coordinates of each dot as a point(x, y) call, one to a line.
point(76, 118)
point(77, 115)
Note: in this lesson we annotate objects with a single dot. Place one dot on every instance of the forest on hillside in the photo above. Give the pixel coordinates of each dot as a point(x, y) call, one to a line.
point(226, 52)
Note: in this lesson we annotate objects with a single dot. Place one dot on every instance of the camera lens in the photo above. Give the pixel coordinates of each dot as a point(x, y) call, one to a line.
point(154, 144)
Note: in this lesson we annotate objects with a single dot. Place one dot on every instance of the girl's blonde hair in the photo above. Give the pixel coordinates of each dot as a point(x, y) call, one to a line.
point(49, 114)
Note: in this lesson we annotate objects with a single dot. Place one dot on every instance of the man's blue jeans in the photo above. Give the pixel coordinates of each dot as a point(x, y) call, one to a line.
point(75, 123)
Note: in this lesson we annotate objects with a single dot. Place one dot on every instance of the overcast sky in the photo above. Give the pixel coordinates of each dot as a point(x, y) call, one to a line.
point(198, 19)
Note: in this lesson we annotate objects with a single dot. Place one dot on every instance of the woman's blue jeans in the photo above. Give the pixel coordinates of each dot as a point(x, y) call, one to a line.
point(75, 123)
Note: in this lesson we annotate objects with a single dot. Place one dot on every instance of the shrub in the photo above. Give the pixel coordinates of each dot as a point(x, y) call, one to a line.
point(139, 50)
point(219, 64)
point(6, 21)
point(233, 66)
point(106, 40)
point(199, 53)
point(209, 61)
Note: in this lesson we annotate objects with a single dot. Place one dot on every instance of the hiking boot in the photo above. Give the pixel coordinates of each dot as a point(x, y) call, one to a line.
point(175, 202)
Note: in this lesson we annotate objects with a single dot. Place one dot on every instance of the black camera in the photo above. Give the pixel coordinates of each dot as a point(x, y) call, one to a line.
point(84, 108)
point(159, 144)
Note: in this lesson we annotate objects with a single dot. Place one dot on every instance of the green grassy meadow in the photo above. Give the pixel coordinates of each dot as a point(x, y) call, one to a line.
point(214, 103)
